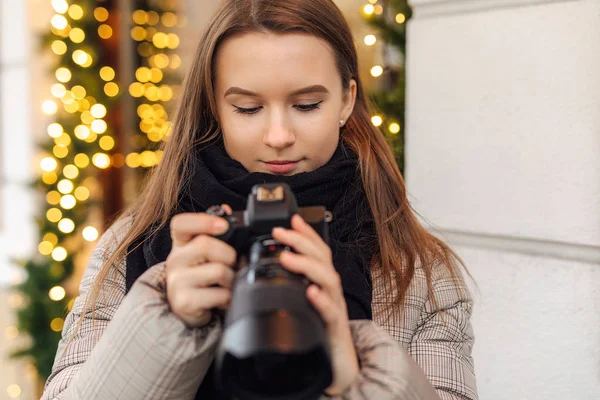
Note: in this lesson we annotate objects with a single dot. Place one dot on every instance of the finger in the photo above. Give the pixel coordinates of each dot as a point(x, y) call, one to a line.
point(204, 275)
point(300, 225)
point(227, 209)
point(324, 304)
point(327, 278)
point(299, 242)
point(195, 302)
point(199, 250)
point(187, 225)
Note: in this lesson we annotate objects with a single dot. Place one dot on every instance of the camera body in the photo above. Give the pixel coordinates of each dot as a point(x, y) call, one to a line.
point(274, 344)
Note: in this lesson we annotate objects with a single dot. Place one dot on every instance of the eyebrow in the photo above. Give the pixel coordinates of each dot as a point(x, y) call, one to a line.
point(306, 90)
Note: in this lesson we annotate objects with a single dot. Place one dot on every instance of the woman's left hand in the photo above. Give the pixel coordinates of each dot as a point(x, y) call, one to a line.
point(313, 259)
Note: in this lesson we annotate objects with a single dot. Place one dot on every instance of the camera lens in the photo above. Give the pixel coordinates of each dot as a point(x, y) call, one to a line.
point(279, 372)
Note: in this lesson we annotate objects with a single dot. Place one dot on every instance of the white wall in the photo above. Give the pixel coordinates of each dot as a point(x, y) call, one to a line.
point(503, 160)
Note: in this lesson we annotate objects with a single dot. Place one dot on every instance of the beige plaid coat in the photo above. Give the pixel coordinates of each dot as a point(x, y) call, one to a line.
point(135, 348)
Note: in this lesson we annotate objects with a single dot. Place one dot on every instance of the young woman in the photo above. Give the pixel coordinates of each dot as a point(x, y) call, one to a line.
point(273, 95)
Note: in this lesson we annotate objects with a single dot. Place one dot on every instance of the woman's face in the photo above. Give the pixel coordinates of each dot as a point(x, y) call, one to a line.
point(280, 101)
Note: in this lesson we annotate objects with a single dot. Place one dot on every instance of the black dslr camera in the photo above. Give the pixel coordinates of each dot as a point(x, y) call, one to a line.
point(274, 344)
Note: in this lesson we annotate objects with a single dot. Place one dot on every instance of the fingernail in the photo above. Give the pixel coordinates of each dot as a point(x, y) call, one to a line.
point(220, 225)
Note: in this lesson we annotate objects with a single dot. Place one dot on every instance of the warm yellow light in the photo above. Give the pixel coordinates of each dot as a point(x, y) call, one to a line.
point(57, 323)
point(78, 92)
point(45, 248)
point(49, 107)
point(82, 160)
point(153, 17)
point(165, 93)
point(92, 138)
point(90, 233)
point(53, 198)
point(160, 40)
point(98, 110)
point(82, 193)
point(50, 237)
point(148, 158)
point(55, 130)
point(58, 90)
point(59, 22)
point(105, 31)
point(54, 215)
point(111, 89)
point(84, 105)
point(370, 40)
point(87, 117)
point(140, 17)
point(60, 151)
point(49, 178)
point(133, 160)
point(107, 74)
point(71, 107)
point(66, 225)
point(144, 49)
point(175, 62)
point(138, 33)
point(394, 128)
point(60, 6)
point(378, 9)
point(70, 171)
point(88, 62)
point(101, 14)
point(65, 186)
point(106, 143)
point(400, 18)
point(63, 75)
point(156, 75)
point(68, 98)
point(58, 47)
point(48, 164)
point(143, 74)
point(377, 120)
point(376, 71)
point(68, 201)
point(101, 160)
point(75, 12)
point(369, 9)
point(77, 35)
point(99, 126)
point(13, 391)
point(136, 89)
point(80, 57)
point(160, 60)
point(151, 93)
point(63, 140)
point(169, 19)
point(82, 132)
point(57, 293)
point(172, 41)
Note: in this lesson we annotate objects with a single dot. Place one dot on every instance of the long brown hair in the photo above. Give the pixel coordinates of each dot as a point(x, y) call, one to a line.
point(403, 241)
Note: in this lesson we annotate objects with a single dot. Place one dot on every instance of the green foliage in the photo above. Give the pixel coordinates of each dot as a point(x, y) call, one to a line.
point(390, 99)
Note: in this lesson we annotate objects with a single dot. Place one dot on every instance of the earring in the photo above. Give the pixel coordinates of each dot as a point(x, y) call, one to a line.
point(341, 123)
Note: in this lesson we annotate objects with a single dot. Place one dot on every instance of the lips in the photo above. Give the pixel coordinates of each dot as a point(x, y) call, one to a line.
point(281, 167)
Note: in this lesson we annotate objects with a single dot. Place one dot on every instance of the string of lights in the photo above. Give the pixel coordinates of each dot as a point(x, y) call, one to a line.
point(389, 18)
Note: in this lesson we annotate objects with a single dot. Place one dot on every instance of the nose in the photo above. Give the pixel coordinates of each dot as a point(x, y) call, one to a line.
point(279, 134)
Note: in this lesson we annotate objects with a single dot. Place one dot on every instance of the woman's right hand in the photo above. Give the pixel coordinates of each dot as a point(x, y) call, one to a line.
point(199, 267)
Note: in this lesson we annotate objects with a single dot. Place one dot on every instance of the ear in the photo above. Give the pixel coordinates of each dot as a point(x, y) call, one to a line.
point(348, 100)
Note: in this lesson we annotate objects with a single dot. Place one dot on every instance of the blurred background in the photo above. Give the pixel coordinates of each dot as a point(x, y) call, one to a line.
point(491, 106)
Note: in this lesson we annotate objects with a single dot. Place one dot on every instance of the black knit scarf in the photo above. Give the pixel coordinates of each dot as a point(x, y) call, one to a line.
point(218, 179)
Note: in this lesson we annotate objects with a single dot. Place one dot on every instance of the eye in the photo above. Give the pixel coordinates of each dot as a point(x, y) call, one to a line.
point(309, 107)
point(241, 110)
